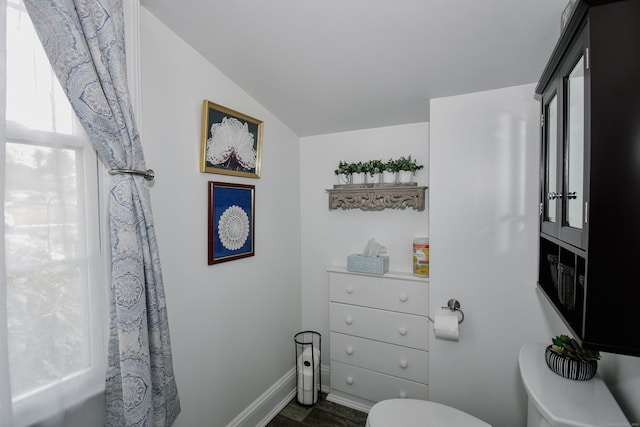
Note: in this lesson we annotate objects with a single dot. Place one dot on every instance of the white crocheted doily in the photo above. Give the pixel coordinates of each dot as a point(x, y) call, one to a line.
point(233, 228)
point(231, 138)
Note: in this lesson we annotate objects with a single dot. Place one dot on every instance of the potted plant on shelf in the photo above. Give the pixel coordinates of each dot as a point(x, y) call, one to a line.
point(358, 173)
point(407, 168)
point(374, 169)
point(566, 357)
point(389, 172)
point(344, 172)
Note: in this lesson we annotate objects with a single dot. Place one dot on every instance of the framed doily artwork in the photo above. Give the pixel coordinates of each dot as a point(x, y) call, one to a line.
point(231, 142)
point(231, 229)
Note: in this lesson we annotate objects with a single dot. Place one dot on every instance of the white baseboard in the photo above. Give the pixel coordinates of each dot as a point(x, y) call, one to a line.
point(272, 401)
point(267, 406)
point(325, 376)
point(349, 401)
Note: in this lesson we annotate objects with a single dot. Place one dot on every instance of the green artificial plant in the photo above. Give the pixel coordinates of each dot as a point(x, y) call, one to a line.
point(344, 168)
point(374, 167)
point(408, 164)
point(567, 347)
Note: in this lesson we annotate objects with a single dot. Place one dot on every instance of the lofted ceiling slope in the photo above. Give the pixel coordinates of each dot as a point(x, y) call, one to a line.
point(337, 65)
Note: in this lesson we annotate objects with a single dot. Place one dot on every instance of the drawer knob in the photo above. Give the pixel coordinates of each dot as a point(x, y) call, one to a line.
point(403, 364)
point(403, 297)
point(349, 350)
point(349, 380)
point(349, 289)
point(402, 395)
point(348, 320)
point(402, 331)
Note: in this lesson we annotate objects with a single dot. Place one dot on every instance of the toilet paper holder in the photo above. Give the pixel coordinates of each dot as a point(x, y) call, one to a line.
point(453, 305)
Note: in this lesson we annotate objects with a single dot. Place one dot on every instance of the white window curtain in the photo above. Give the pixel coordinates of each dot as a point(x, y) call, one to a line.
point(52, 294)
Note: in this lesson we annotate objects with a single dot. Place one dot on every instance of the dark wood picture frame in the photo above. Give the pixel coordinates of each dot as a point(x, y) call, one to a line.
point(231, 231)
point(231, 142)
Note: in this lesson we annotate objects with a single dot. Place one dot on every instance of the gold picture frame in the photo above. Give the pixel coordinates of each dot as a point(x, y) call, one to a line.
point(231, 142)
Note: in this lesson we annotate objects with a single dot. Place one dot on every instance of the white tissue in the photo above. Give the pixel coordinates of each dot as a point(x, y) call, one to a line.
point(373, 248)
point(445, 326)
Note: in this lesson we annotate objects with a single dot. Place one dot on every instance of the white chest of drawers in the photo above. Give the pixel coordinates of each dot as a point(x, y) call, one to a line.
point(379, 337)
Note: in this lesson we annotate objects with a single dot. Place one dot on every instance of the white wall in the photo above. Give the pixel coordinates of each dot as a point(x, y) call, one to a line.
point(232, 324)
point(329, 236)
point(484, 225)
point(484, 240)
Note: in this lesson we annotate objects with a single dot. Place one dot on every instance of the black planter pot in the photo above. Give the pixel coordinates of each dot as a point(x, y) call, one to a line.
point(572, 369)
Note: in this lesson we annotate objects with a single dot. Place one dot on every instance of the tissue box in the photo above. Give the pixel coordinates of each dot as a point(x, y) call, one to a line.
point(368, 264)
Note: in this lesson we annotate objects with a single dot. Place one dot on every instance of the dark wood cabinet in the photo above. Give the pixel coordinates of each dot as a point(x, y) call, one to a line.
point(589, 266)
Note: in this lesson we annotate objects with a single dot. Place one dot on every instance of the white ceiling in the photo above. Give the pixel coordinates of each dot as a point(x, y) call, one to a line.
point(324, 66)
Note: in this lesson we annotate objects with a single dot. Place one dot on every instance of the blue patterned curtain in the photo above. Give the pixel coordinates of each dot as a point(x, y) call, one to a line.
point(84, 40)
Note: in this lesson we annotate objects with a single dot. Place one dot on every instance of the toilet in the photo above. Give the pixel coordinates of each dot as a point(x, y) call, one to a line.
point(553, 401)
point(560, 402)
point(418, 413)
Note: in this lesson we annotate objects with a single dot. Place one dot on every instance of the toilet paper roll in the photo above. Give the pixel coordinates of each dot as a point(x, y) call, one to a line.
point(308, 376)
point(309, 357)
point(307, 394)
point(307, 397)
point(445, 326)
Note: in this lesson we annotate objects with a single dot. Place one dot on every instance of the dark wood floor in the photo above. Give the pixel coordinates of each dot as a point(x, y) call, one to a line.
point(322, 414)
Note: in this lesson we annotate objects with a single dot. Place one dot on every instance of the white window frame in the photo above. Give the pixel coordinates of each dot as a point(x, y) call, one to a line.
point(31, 407)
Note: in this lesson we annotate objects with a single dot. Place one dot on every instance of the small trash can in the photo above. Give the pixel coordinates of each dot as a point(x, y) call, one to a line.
point(308, 354)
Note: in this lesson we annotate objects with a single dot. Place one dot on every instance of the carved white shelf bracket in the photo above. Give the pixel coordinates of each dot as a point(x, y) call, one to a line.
point(376, 197)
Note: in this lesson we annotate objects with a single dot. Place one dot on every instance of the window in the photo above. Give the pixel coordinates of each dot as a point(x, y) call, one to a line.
point(54, 270)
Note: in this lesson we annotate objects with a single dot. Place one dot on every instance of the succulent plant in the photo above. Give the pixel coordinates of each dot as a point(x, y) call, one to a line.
point(569, 348)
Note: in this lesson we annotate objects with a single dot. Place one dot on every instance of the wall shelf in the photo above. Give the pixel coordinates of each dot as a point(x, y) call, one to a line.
point(376, 197)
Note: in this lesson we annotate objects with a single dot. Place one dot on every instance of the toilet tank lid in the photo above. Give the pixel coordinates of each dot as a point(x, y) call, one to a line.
point(564, 402)
point(419, 413)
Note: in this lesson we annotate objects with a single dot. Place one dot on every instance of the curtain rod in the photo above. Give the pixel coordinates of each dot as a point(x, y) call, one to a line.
point(149, 174)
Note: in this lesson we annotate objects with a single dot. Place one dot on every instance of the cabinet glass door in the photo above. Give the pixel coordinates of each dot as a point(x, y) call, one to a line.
point(551, 160)
point(551, 197)
point(574, 180)
point(573, 187)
